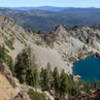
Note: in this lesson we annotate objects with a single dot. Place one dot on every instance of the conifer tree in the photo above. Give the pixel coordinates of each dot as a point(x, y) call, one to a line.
point(49, 76)
point(26, 68)
point(56, 80)
point(43, 79)
point(63, 83)
point(95, 84)
point(21, 66)
point(2, 53)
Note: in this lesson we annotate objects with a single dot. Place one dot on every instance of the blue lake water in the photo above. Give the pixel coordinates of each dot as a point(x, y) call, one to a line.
point(88, 69)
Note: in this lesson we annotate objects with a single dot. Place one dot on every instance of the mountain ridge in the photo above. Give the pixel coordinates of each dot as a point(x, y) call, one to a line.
point(49, 19)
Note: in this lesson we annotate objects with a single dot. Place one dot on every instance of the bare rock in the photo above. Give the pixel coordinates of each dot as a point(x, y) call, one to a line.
point(4, 69)
point(91, 95)
point(59, 33)
point(21, 96)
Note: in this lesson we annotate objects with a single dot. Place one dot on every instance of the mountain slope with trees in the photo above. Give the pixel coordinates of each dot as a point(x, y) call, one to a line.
point(40, 65)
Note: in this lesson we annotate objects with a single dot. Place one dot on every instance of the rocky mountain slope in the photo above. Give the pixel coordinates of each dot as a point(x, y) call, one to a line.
point(87, 35)
point(91, 95)
point(60, 48)
point(15, 38)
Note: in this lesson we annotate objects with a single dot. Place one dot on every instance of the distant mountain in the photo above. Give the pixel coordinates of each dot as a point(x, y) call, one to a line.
point(48, 8)
point(46, 20)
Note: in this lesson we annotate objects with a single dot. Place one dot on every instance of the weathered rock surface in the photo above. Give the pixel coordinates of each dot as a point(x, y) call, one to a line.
point(59, 33)
point(21, 96)
point(87, 35)
point(87, 96)
point(4, 69)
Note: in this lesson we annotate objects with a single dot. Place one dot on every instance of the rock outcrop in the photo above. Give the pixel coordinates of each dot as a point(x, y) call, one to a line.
point(59, 33)
point(21, 96)
point(4, 69)
point(96, 26)
point(87, 35)
point(87, 96)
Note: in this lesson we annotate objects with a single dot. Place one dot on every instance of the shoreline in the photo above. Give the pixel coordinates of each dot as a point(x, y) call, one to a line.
point(95, 54)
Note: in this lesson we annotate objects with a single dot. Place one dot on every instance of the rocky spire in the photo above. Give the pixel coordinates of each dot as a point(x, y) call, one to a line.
point(60, 33)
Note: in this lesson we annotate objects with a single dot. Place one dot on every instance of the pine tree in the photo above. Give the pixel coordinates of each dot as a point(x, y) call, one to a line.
point(56, 80)
point(63, 83)
point(35, 78)
point(21, 66)
point(29, 77)
point(32, 77)
point(95, 84)
point(49, 76)
point(43, 79)
point(2, 53)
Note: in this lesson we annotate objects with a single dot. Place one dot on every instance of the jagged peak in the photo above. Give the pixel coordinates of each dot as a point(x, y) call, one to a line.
point(7, 23)
point(6, 19)
point(60, 29)
point(60, 33)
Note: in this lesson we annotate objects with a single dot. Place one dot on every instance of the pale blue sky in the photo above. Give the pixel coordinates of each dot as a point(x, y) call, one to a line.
point(59, 3)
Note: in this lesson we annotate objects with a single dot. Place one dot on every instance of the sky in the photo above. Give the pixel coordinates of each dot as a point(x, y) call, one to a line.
point(58, 3)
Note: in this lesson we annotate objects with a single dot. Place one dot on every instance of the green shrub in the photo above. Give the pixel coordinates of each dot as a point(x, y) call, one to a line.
point(72, 59)
point(39, 43)
point(36, 96)
point(9, 43)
